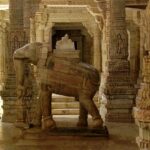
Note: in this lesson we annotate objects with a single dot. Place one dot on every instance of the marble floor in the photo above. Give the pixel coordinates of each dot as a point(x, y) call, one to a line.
point(122, 137)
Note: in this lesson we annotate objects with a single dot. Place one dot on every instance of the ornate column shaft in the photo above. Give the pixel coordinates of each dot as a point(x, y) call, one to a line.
point(32, 31)
point(29, 9)
point(16, 13)
point(48, 34)
point(97, 57)
point(17, 38)
point(142, 109)
point(118, 91)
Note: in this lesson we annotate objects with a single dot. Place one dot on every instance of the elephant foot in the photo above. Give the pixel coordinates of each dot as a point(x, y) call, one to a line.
point(97, 123)
point(82, 123)
point(35, 123)
point(21, 125)
point(48, 123)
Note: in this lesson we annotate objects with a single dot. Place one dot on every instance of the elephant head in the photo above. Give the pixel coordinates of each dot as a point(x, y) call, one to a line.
point(30, 53)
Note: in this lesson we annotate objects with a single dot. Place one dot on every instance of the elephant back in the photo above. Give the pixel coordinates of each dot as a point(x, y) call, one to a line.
point(76, 74)
point(69, 72)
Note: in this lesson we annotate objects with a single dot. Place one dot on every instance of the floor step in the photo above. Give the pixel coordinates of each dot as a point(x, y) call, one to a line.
point(67, 105)
point(64, 105)
point(65, 111)
point(60, 98)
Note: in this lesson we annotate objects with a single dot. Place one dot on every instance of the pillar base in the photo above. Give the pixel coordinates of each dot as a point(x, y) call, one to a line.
point(119, 101)
point(9, 99)
point(120, 117)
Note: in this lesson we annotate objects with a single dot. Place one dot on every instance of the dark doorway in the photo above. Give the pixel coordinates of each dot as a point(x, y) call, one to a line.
point(79, 35)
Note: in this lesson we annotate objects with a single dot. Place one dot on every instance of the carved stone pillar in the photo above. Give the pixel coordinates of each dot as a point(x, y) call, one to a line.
point(17, 38)
point(26, 13)
point(3, 51)
point(118, 91)
point(48, 34)
point(32, 31)
point(29, 9)
point(97, 53)
point(16, 13)
point(142, 109)
point(39, 28)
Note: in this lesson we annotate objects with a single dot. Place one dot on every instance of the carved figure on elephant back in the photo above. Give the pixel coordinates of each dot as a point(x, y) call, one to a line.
point(59, 76)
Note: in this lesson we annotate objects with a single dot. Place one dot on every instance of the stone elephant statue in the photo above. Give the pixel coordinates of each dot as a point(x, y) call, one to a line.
point(58, 76)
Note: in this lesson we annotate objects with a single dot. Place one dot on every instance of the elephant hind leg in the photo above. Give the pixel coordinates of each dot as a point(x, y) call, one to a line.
point(83, 116)
point(48, 123)
point(91, 108)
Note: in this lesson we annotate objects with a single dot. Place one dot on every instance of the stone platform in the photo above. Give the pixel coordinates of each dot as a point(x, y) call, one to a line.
point(38, 134)
point(122, 137)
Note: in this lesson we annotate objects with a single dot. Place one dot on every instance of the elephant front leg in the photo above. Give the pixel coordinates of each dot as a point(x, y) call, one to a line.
point(36, 121)
point(91, 108)
point(45, 98)
point(83, 116)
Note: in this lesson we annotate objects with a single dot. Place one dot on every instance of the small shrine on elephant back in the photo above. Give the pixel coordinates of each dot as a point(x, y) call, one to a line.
point(65, 48)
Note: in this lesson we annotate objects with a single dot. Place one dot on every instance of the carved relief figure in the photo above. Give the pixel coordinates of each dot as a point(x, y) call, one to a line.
point(79, 80)
point(120, 44)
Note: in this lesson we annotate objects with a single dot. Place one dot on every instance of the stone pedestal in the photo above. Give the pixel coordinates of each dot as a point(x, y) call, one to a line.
point(38, 134)
point(117, 91)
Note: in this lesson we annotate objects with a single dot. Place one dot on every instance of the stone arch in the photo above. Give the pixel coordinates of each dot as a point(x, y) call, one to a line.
point(48, 16)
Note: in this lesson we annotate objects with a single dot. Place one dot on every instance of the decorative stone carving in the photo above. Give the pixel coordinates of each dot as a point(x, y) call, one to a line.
point(83, 82)
point(4, 48)
point(142, 109)
point(117, 89)
point(65, 43)
point(16, 37)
